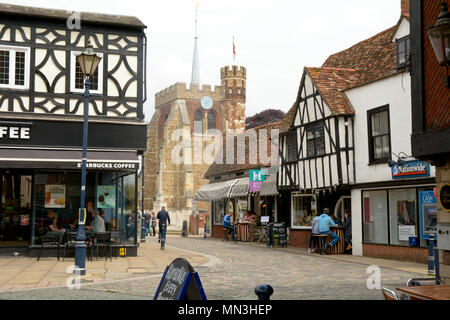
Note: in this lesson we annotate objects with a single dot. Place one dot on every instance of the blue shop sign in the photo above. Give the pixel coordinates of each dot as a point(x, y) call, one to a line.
point(411, 169)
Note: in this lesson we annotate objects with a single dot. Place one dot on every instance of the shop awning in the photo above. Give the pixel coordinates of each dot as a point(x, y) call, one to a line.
point(269, 187)
point(215, 191)
point(240, 188)
point(68, 159)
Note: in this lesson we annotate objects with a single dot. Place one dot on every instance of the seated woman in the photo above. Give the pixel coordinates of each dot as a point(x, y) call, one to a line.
point(247, 216)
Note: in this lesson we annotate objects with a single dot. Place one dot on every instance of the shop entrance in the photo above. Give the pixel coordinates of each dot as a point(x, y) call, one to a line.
point(15, 210)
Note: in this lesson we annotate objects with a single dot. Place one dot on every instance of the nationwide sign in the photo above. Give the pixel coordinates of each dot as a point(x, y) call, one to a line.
point(411, 169)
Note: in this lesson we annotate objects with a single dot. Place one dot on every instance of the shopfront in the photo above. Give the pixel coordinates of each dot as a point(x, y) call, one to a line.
point(39, 176)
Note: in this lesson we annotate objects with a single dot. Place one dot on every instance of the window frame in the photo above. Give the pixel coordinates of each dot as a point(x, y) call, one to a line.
point(313, 128)
point(194, 121)
point(370, 113)
point(73, 68)
point(292, 135)
point(12, 67)
point(407, 52)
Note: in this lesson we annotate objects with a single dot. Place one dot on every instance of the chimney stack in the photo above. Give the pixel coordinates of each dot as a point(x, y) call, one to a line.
point(405, 7)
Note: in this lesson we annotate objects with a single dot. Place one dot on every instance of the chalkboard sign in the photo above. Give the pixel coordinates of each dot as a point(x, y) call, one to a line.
point(180, 282)
point(279, 236)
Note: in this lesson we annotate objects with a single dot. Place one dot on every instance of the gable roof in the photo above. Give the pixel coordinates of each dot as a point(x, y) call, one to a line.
point(217, 169)
point(97, 18)
point(374, 57)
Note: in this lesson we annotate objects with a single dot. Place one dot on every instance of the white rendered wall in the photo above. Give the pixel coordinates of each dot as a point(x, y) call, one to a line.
point(394, 91)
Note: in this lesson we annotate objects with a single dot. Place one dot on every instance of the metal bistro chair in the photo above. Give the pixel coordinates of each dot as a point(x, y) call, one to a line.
point(102, 240)
point(415, 281)
point(48, 241)
point(70, 242)
point(389, 294)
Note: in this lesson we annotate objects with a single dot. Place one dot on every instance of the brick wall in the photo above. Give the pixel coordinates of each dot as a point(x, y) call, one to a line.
point(437, 97)
point(411, 254)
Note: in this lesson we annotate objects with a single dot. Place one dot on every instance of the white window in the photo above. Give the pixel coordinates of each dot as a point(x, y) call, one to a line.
point(14, 67)
point(304, 208)
point(77, 79)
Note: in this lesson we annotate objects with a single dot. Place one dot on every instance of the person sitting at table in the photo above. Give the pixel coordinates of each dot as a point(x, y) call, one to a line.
point(252, 218)
point(51, 227)
point(227, 223)
point(315, 230)
point(247, 216)
point(324, 228)
point(338, 221)
point(100, 223)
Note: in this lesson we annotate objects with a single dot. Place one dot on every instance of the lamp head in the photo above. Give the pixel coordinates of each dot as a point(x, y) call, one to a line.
point(88, 61)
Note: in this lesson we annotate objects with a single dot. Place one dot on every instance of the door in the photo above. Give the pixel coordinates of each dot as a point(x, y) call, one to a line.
point(15, 210)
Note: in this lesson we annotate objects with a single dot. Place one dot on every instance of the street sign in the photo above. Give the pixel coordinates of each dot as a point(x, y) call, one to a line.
point(180, 282)
point(257, 178)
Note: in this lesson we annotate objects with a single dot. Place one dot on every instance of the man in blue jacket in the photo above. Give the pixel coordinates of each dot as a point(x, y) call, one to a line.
point(227, 223)
point(324, 227)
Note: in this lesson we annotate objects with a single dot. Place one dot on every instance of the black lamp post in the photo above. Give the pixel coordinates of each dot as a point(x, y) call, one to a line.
point(439, 35)
point(88, 61)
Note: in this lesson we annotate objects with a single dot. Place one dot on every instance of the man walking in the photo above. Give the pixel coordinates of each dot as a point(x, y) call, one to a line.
point(147, 217)
point(163, 217)
point(324, 227)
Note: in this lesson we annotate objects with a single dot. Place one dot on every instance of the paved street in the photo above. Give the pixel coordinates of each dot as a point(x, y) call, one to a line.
point(234, 269)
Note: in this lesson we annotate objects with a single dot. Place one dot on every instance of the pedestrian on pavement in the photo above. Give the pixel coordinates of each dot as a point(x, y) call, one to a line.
point(163, 217)
point(153, 223)
point(348, 231)
point(227, 223)
point(315, 230)
point(324, 227)
point(147, 218)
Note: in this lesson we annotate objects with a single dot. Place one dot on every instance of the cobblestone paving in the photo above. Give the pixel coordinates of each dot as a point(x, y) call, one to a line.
point(238, 268)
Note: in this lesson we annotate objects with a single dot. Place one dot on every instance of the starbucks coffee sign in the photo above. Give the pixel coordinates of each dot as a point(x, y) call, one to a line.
point(15, 132)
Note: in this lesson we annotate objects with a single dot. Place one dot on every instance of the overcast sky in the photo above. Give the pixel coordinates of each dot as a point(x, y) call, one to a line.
point(274, 39)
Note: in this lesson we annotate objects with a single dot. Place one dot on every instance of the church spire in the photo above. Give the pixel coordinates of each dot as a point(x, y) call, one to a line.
point(195, 78)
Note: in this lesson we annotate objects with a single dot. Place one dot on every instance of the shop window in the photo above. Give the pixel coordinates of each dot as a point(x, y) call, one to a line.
point(15, 209)
point(241, 209)
point(403, 216)
point(375, 212)
point(77, 79)
point(379, 134)
point(304, 207)
point(218, 212)
point(315, 140)
point(14, 67)
point(291, 145)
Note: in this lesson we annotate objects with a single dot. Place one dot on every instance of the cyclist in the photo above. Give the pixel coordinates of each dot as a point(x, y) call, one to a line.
point(163, 217)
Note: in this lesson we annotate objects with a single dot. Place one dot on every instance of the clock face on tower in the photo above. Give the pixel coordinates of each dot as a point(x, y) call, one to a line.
point(206, 102)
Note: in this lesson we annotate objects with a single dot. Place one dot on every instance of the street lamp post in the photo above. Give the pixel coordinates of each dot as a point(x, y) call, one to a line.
point(88, 61)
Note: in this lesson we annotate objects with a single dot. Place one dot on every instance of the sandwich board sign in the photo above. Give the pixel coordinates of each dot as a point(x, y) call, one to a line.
point(180, 282)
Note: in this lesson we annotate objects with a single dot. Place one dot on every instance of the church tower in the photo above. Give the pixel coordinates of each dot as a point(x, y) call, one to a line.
point(233, 84)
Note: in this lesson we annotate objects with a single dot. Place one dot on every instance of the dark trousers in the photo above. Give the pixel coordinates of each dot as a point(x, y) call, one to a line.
point(154, 231)
point(313, 241)
point(230, 229)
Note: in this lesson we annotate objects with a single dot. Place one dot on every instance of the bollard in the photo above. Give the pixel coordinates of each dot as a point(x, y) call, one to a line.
point(143, 228)
point(204, 232)
point(436, 265)
point(263, 291)
point(269, 235)
point(431, 256)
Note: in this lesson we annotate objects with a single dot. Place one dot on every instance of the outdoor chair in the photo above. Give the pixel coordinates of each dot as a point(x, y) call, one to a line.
point(102, 240)
point(47, 241)
point(389, 294)
point(415, 281)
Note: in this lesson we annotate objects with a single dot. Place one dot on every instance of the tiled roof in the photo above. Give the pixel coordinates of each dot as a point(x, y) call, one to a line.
point(97, 18)
point(375, 57)
point(219, 169)
point(331, 83)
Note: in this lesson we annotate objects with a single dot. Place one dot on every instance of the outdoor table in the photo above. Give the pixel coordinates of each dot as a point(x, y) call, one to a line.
point(339, 247)
point(433, 292)
point(243, 231)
